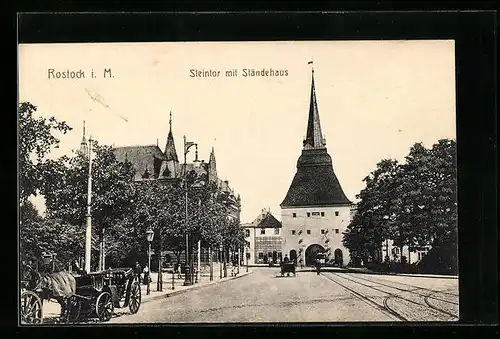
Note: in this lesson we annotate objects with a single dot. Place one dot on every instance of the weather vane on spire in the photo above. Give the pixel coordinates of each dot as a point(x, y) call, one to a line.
point(311, 63)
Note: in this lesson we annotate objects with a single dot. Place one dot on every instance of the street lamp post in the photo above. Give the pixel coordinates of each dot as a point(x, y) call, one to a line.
point(246, 257)
point(150, 234)
point(188, 271)
point(88, 230)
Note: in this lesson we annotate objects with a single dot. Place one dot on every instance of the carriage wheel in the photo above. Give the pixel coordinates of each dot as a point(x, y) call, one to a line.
point(74, 309)
point(135, 298)
point(31, 308)
point(104, 306)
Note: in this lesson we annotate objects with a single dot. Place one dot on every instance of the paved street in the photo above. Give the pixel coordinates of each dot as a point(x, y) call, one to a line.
point(330, 297)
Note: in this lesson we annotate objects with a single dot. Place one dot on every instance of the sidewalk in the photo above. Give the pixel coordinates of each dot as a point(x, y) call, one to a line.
point(178, 283)
point(52, 309)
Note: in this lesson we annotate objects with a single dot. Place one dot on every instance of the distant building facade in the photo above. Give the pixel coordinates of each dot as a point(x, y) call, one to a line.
point(315, 211)
point(264, 239)
point(151, 163)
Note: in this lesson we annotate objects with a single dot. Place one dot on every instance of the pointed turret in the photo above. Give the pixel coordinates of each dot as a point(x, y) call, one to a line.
point(314, 137)
point(83, 144)
point(170, 152)
point(212, 167)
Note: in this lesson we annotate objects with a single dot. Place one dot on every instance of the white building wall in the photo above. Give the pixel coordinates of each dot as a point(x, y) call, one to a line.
point(394, 252)
point(250, 250)
point(327, 220)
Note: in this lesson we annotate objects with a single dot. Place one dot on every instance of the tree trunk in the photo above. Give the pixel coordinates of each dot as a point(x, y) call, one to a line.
point(211, 263)
point(224, 260)
point(101, 250)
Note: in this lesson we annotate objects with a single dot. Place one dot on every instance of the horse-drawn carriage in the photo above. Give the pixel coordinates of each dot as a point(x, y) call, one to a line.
point(86, 295)
point(287, 267)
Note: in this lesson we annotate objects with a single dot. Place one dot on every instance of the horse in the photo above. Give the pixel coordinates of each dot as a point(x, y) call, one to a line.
point(59, 285)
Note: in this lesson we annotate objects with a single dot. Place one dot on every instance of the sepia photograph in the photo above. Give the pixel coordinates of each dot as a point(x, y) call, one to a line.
point(237, 182)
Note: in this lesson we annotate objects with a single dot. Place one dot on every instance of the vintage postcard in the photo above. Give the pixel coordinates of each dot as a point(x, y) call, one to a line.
point(238, 182)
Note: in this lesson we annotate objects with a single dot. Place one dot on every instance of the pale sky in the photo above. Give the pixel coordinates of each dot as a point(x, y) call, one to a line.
point(375, 100)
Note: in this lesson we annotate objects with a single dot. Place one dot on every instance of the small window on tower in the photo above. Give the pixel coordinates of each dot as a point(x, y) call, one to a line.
point(262, 231)
point(308, 231)
point(294, 215)
point(308, 214)
point(276, 231)
point(322, 214)
point(336, 231)
point(293, 232)
point(336, 213)
point(322, 231)
point(247, 233)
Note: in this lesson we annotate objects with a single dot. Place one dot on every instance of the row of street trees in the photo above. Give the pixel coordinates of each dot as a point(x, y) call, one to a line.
point(122, 209)
point(414, 204)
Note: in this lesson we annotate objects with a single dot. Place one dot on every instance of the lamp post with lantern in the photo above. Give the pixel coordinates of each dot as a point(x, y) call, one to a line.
point(188, 270)
point(150, 235)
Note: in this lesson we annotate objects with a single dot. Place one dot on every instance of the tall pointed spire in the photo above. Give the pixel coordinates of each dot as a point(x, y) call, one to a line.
point(212, 167)
point(83, 143)
point(314, 137)
point(170, 152)
point(315, 182)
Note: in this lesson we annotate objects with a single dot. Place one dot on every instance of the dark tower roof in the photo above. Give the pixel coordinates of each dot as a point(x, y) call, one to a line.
point(314, 138)
point(170, 152)
point(315, 182)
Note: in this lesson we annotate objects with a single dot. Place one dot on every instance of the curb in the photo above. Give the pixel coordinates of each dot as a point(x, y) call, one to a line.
point(195, 287)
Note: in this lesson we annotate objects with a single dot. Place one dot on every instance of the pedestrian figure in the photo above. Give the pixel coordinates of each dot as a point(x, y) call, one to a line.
point(301, 263)
point(177, 270)
point(138, 271)
point(146, 275)
point(286, 259)
point(318, 266)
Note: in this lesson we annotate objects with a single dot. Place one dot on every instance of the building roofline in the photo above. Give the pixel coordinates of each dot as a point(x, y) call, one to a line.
point(314, 206)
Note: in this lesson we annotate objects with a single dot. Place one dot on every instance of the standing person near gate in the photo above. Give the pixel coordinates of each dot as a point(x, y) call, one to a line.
point(318, 264)
point(138, 270)
point(146, 275)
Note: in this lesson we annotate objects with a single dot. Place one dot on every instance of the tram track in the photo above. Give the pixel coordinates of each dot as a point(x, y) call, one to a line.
point(422, 301)
point(430, 291)
point(384, 308)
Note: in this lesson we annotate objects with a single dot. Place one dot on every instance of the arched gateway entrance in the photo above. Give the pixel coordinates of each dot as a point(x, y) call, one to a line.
point(311, 252)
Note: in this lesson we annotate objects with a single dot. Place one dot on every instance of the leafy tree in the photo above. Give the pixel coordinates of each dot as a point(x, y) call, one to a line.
point(376, 214)
point(413, 204)
point(65, 190)
point(40, 235)
point(36, 138)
